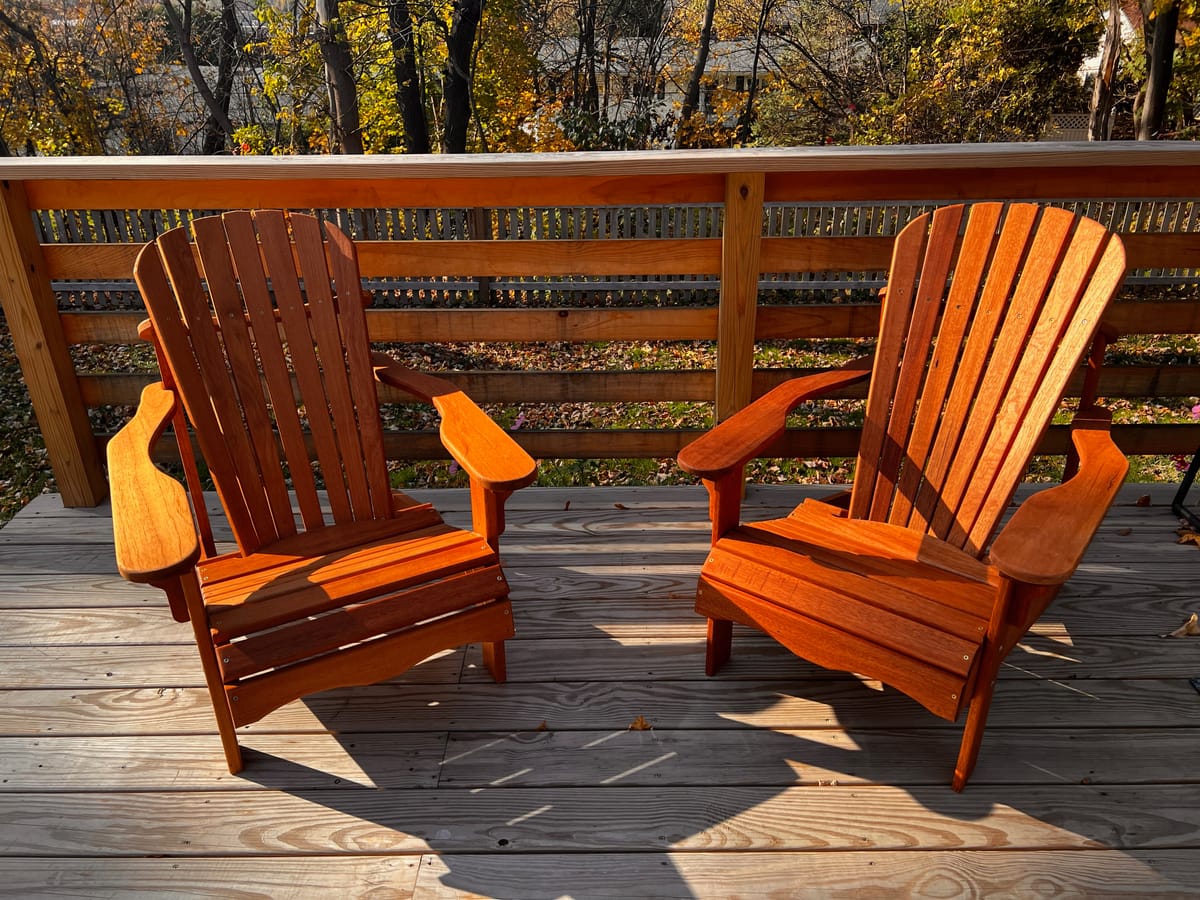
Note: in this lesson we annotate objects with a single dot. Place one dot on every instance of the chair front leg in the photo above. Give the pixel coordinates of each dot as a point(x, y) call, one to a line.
point(725, 511)
point(487, 512)
point(487, 519)
point(995, 648)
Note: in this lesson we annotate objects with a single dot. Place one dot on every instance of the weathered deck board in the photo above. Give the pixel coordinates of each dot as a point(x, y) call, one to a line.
point(609, 818)
point(605, 706)
point(774, 778)
point(953, 873)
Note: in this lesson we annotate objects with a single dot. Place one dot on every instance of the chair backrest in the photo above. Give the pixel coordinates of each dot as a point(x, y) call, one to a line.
point(259, 326)
point(987, 313)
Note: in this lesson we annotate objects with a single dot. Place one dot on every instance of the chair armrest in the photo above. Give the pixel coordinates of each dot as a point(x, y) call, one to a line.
point(153, 530)
point(747, 433)
point(1048, 534)
point(486, 452)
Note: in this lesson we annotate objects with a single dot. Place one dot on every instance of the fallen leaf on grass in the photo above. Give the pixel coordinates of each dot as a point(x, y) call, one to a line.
point(1190, 628)
point(640, 724)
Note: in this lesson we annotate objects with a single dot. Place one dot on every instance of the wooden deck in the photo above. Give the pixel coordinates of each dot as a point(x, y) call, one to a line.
point(773, 778)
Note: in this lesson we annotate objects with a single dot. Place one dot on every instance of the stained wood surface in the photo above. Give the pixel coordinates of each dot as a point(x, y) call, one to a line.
point(774, 777)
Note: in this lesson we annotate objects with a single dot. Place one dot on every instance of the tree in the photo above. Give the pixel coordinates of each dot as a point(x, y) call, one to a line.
point(345, 133)
point(830, 66)
point(691, 95)
point(1166, 104)
point(83, 78)
point(410, 97)
point(1104, 89)
point(979, 70)
point(219, 129)
point(746, 117)
point(460, 43)
point(1161, 19)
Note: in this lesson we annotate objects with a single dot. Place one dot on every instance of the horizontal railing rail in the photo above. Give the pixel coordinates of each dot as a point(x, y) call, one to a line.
point(727, 248)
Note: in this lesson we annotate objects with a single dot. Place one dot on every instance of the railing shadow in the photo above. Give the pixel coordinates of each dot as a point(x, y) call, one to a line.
point(548, 765)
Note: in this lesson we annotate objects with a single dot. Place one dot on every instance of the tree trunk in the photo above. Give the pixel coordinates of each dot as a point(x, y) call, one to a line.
point(219, 131)
point(1100, 113)
point(691, 96)
point(409, 96)
point(1160, 59)
point(180, 22)
point(464, 23)
point(587, 86)
point(746, 119)
point(343, 93)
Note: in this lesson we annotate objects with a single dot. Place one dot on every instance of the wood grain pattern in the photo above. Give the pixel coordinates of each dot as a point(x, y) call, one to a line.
point(583, 820)
point(969, 158)
point(773, 775)
point(967, 873)
point(30, 311)
point(773, 322)
point(644, 256)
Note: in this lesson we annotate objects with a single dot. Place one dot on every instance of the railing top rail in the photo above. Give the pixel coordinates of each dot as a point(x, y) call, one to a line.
point(611, 164)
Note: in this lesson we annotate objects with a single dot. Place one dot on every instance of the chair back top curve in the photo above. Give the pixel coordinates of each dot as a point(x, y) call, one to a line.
point(259, 326)
point(988, 312)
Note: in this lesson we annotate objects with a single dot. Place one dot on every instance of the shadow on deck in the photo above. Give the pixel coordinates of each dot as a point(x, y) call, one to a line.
point(775, 777)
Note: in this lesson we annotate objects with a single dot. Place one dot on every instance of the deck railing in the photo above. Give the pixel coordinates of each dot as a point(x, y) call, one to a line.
point(749, 243)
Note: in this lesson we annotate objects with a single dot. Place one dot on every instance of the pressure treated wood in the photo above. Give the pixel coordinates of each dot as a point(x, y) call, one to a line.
point(65, 193)
point(46, 366)
point(778, 776)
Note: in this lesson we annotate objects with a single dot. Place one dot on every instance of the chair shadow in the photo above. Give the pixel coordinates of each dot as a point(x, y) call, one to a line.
point(547, 766)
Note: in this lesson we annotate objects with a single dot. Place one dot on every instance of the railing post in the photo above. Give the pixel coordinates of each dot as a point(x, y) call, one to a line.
point(41, 348)
point(479, 228)
point(741, 245)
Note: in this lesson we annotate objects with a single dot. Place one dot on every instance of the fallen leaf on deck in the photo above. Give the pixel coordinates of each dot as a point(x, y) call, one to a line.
point(640, 724)
point(1187, 536)
point(620, 506)
point(1125, 532)
point(1190, 628)
point(567, 505)
point(1143, 500)
point(543, 726)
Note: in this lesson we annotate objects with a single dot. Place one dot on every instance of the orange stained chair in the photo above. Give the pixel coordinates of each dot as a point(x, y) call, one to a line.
point(987, 314)
point(262, 345)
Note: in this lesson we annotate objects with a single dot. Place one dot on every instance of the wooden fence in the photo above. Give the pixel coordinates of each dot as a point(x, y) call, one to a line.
point(536, 247)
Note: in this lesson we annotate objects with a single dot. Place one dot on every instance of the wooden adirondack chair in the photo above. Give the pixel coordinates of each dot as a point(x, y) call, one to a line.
point(987, 314)
point(260, 334)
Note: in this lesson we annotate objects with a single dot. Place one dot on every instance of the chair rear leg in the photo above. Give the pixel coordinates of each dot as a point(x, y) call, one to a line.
point(493, 659)
point(720, 645)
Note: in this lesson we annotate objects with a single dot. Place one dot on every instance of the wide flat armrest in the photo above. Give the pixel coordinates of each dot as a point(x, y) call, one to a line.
point(485, 451)
point(747, 433)
point(1048, 534)
point(153, 529)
